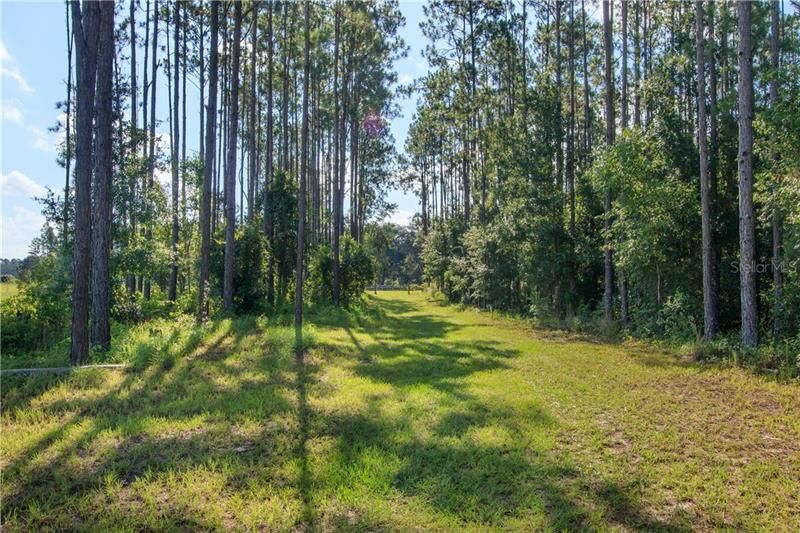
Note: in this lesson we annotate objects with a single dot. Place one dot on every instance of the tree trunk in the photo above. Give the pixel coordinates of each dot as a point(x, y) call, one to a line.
point(285, 92)
point(559, 112)
point(709, 310)
point(208, 168)
point(230, 178)
point(747, 243)
point(103, 165)
point(184, 61)
point(268, 222)
point(176, 136)
point(571, 139)
point(130, 280)
point(637, 61)
point(623, 278)
point(301, 219)
point(713, 160)
point(152, 137)
point(336, 156)
point(85, 27)
point(777, 218)
point(252, 166)
point(68, 140)
point(587, 115)
point(608, 295)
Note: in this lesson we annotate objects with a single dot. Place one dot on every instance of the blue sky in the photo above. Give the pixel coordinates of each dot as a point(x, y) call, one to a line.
point(33, 59)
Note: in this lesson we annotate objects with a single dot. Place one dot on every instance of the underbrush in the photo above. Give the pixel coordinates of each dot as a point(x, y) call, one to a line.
point(671, 328)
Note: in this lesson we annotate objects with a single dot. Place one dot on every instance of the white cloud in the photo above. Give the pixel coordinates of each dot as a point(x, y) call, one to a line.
point(401, 217)
point(8, 67)
point(15, 183)
point(43, 140)
point(406, 79)
point(12, 112)
point(18, 227)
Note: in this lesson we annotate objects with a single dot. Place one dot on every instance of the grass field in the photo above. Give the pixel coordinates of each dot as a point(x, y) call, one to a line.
point(8, 289)
point(408, 415)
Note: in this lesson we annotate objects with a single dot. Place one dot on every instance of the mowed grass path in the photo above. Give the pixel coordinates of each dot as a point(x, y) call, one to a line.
point(408, 416)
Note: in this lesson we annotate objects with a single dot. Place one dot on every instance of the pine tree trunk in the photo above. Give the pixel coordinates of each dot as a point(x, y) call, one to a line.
point(713, 159)
point(637, 61)
point(777, 218)
point(571, 139)
point(587, 115)
point(208, 168)
point(184, 61)
point(68, 133)
point(176, 136)
point(130, 280)
point(608, 263)
point(706, 201)
point(623, 277)
point(252, 167)
point(559, 111)
point(747, 243)
point(336, 156)
point(101, 206)
point(230, 177)
point(301, 219)
point(152, 137)
point(85, 27)
point(268, 222)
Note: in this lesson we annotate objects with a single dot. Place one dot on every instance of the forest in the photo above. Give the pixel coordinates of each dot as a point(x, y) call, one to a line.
point(608, 216)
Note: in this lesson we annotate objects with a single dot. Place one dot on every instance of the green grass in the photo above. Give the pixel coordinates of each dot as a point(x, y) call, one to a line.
point(405, 415)
point(8, 289)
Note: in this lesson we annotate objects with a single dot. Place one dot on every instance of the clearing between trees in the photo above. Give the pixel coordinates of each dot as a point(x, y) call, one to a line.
point(406, 414)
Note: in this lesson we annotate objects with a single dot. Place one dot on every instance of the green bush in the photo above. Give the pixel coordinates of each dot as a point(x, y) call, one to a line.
point(355, 273)
point(39, 314)
point(249, 269)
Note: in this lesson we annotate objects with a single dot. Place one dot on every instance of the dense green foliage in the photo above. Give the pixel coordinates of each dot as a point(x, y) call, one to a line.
point(156, 250)
point(508, 158)
point(356, 271)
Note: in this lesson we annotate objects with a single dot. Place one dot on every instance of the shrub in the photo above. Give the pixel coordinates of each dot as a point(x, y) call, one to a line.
point(355, 273)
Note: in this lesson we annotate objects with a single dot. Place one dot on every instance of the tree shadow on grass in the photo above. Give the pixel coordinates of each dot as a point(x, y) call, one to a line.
point(239, 408)
point(204, 410)
point(476, 464)
point(463, 480)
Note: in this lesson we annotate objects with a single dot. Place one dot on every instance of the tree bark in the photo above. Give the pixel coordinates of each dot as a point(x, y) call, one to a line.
point(301, 219)
point(608, 263)
point(706, 201)
point(101, 209)
point(85, 27)
point(152, 136)
point(268, 222)
point(176, 136)
point(208, 168)
point(713, 159)
point(637, 60)
point(777, 217)
point(623, 277)
point(747, 248)
point(336, 156)
point(130, 280)
point(251, 141)
point(587, 115)
point(68, 140)
point(230, 178)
